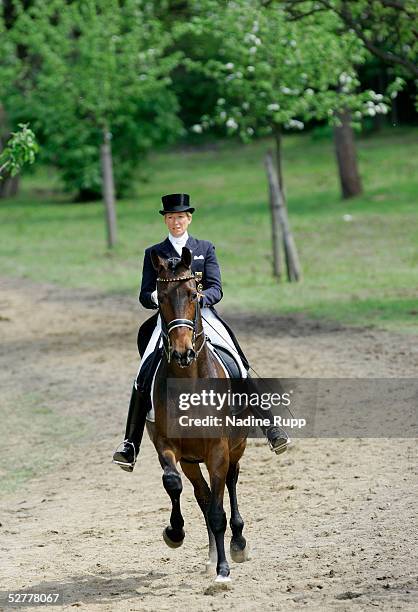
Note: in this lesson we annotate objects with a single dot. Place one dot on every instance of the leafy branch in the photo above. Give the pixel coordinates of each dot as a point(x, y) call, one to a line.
point(21, 149)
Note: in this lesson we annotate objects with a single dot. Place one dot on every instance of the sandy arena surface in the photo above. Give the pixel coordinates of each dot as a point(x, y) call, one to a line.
point(331, 524)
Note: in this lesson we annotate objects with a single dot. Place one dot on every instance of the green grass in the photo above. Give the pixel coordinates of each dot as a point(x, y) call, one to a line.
point(361, 272)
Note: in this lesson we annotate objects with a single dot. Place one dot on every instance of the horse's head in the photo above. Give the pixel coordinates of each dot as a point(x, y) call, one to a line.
point(178, 300)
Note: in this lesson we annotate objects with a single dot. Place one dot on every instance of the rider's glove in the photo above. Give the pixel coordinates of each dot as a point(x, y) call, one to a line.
point(154, 297)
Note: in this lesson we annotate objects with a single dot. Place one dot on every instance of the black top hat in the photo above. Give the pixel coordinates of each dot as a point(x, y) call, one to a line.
point(176, 202)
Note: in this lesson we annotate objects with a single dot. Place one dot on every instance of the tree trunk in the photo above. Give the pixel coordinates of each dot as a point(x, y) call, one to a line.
point(279, 169)
point(108, 188)
point(275, 234)
point(9, 185)
point(280, 219)
point(279, 157)
point(345, 149)
point(394, 115)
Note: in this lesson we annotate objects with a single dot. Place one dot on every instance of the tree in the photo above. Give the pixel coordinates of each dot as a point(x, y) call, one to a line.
point(275, 74)
point(20, 149)
point(95, 83)
point(387, 28)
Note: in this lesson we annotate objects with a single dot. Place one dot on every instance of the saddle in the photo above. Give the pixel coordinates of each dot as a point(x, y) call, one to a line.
point(228, 360)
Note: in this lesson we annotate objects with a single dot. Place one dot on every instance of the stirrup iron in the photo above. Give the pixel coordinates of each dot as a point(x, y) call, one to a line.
point(125, 463)
point(279, 449)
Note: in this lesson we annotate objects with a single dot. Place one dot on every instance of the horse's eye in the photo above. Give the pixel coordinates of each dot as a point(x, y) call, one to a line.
point(193, 296)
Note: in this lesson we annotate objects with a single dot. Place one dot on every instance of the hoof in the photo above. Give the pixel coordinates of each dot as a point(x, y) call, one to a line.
point(239, 555)
point(172, 543)
point(222, 580)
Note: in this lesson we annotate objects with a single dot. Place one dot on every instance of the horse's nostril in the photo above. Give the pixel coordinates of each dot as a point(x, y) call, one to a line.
point(176, 355)
point(184, 359)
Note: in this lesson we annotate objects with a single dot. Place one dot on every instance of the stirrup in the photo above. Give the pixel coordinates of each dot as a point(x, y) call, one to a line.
point(279, 449)
point(125, 464)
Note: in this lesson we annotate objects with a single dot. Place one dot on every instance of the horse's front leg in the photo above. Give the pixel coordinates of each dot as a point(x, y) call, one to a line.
point(218, 464)
point(202, 494)
point(173, 534)
point(239, 550)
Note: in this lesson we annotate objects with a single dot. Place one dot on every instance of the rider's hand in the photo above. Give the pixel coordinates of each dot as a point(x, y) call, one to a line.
point(154, 297)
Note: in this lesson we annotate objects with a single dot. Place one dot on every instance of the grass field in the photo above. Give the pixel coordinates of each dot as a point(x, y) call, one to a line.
point(360, 272)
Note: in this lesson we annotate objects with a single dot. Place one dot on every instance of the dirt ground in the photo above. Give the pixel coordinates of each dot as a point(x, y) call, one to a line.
point(331, 524)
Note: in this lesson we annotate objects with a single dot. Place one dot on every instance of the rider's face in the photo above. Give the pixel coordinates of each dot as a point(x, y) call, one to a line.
point(177, 223)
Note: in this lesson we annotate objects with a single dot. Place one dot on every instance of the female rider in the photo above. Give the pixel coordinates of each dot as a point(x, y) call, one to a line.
point(177, 215)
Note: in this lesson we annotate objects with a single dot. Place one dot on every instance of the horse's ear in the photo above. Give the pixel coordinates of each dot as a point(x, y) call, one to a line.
point(157, 261)
point(186, 257)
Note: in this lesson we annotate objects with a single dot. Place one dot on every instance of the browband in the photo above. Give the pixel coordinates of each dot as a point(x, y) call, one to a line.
point(177, 278)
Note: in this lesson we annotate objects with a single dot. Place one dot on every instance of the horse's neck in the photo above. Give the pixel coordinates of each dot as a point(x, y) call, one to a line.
point(206, 363)
point(199, 323)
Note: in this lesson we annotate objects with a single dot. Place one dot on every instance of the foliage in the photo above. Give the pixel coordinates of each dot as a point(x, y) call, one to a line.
point(196, 94)
point(273, 72)
point(387, 28)
point(21, 149)
point(91, 66)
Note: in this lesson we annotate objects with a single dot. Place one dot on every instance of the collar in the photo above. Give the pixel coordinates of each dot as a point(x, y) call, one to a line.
point(180, 240)
point(178, 243)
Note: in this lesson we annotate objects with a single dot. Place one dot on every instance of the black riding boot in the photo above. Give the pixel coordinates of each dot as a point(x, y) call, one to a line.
point(126, 457)
point(276, 436)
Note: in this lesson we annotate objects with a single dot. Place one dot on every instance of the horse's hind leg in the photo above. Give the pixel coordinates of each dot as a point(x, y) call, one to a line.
point(238, 546)
point(202, 494)
point(173, 534)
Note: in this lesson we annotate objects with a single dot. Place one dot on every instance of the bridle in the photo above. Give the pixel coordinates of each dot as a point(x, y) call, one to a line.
point(166, 328)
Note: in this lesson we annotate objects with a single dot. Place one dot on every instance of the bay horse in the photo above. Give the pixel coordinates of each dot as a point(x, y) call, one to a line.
point(186, 355)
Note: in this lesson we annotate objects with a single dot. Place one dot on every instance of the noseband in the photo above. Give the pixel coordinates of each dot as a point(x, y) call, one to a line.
point(166, 328)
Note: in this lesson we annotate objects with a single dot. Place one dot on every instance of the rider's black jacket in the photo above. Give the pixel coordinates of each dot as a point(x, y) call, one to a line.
point(203, 260)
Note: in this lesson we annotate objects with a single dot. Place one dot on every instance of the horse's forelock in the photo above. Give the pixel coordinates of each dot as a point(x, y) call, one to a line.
point(173, 264)
point(176, 266)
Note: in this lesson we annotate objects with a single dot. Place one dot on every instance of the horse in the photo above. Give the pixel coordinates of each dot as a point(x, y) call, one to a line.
point(186, 355)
